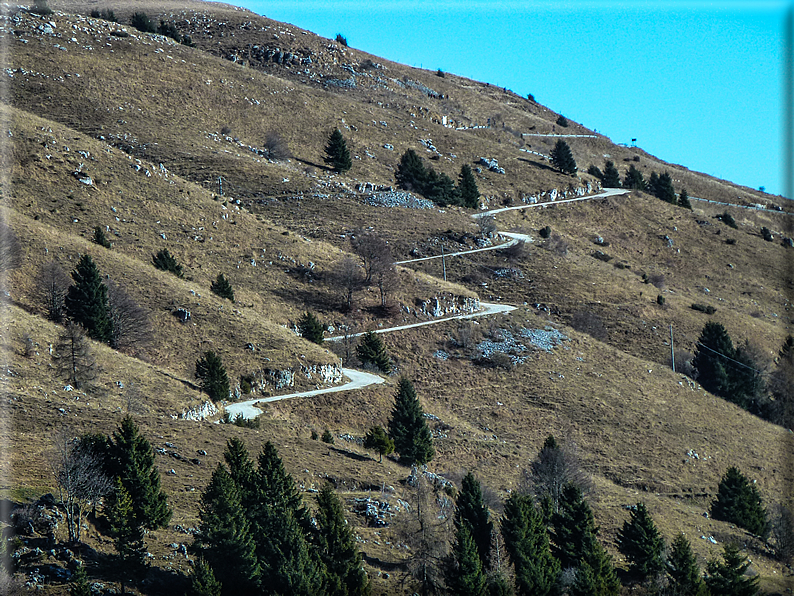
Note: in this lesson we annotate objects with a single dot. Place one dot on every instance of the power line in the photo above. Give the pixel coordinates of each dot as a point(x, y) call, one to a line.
point(729, 358)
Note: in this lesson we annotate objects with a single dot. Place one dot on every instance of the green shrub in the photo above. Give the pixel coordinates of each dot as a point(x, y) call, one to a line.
point(728, 220)
point(328, 437)
point(164, 261)
point(545, 232)
point(310, 328)
point(767, 234)
point(246, 384)
point(100, 238)
point(601, 256)
point(709, 310)
point(169, 30)
point(660, 300)
point(730, 241)
point(315, 436)
point(142, 23)
point(562, 121)
point(341, 39)
point(440, 73)
point(594, 171)
point(222, 288)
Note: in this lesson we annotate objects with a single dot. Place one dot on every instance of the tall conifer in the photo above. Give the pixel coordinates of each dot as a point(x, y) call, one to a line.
point(407, 426)
point(467, 187)
point(471, 511)
point(87, 300)
point(641, 543)
point(683, 572)
point(337, 154)
point(465, 575)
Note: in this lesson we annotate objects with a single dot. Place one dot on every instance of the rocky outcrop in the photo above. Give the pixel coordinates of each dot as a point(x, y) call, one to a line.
point(447, 305)
point(200, 412)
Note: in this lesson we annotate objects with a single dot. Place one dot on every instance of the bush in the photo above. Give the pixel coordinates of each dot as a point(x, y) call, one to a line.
point(100, 238)
point(562, 121)
point(738, 502)
point(164, 261)
point(341, 39)
point(328, 437)
point(660, 300)
point(222, 288)
point(709, 310)
point(728, 220)
point(105, 14)
point(277, 147)
point(212, 376)
point(310, 328)
point(594, 171)
point(440, 73)
point(545, 232)
point(41, 7)
point(142, 23)
point(601, 256)
point(730, 241)
point(169, 30)
point(767, 234)
point(240, 421)
point(315, 436)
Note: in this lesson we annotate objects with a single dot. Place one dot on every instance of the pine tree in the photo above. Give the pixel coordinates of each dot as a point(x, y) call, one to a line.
point(241, 469)
point(467, 188)
point(738, 502)
point(728, 578)
point(440, 189)
point(562, 158)
point(574, 528)
point(165, 261)
point(682, 569)
point(310, 328)
point(289, 563)
point(411, 173)
point(202, 581)
point(78, 585)
point(87, 300)
point(471, 511)
point(336, 153)
point(595, 172)
point(224, 540)
point(275, 487)
point(611, 176)
point(683, 199)
point(596, 575)
point(212, 376)
point(407, 426)
point(377, 439)
point(711, 359)
point(222, 288)
point(100, 238)
point(464, 571)
point(527, 544)
point(344, 574)
point(634, 179)
point(132, 462)
point(662, 187)
point(641, 543)
point(371, 351)
point(127, 533)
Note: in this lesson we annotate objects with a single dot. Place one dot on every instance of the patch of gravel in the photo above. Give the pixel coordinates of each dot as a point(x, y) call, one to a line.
point(544, 339)
point(441, 355)
point(395, 198)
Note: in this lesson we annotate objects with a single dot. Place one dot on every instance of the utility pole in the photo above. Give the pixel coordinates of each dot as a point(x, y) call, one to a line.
point(672, 351)
point(220, 186)
point(443, 262)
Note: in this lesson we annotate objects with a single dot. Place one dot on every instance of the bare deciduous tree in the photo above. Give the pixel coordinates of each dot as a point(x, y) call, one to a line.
point(81, 480)
point(73, 357)
point(388, 282)
point(487, 225)
point(555, 467)
point(374, 252)
point(348, 278)
point(132, 330)
point(277, 147)
point(10, 249)
point(52, 284)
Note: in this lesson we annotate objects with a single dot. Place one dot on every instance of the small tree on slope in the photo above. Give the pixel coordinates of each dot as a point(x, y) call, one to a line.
point(408, 428)
point(641, 543)
point(336, 153)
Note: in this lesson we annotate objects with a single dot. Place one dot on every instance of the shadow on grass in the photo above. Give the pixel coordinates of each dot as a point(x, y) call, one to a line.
point(540, 166)
point(351, 454)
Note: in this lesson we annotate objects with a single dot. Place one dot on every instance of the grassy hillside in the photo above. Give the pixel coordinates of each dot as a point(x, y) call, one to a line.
point(155, 125)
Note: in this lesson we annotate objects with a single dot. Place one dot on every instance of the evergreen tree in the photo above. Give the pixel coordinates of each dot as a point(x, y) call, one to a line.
point(728, 578)
point(142, 23)
point(662, 187)
point(100, 238)
point(471, 511)
point(562, 158)
point(467, 188)
point(289, 564)
point(377, 439)
point(371, 351)
point(241, 469)
point(202, 581)
point(224, 539)
point(336, 153)
point(344, 575)
point(596, 575)
point(574, 528)
point(310, 328)
point(78, 585)
point(73, 358)
point(653, 184)
point(127, 533)
point(464, 571)
point(641, 543)
point(683, 199)
point(212, 376)
point(634, 179)
point(407, 426)
point(222, 288)
point(611, 176)
point(275, 487)
point(594, 171)
point(87, 300)
point(498, 585)
point(738, 502)
point(411, 173)
point(440, 189)
point(527, 544)
point(683, 572)
point(711, 359)
point(132, 463)
point(165, 261)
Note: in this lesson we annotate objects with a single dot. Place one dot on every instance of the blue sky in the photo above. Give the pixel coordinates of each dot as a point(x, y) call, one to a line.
point(701, 84)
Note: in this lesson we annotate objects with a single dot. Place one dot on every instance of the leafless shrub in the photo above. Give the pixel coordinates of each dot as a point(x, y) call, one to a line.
point(657, 280)
point(683, 363)
point(81, 480)
point(782, 522)
point(501, 360)
point(516, 252)
point(466, 336)
point(28, 345)
point(226, 131)
point(588, 322)
point(487, 225)
point(277, 147)
point(52, 284)
point(374, 252)
point(132, 330)
point(557, 245)
point(73, 358)
point(10, 249)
